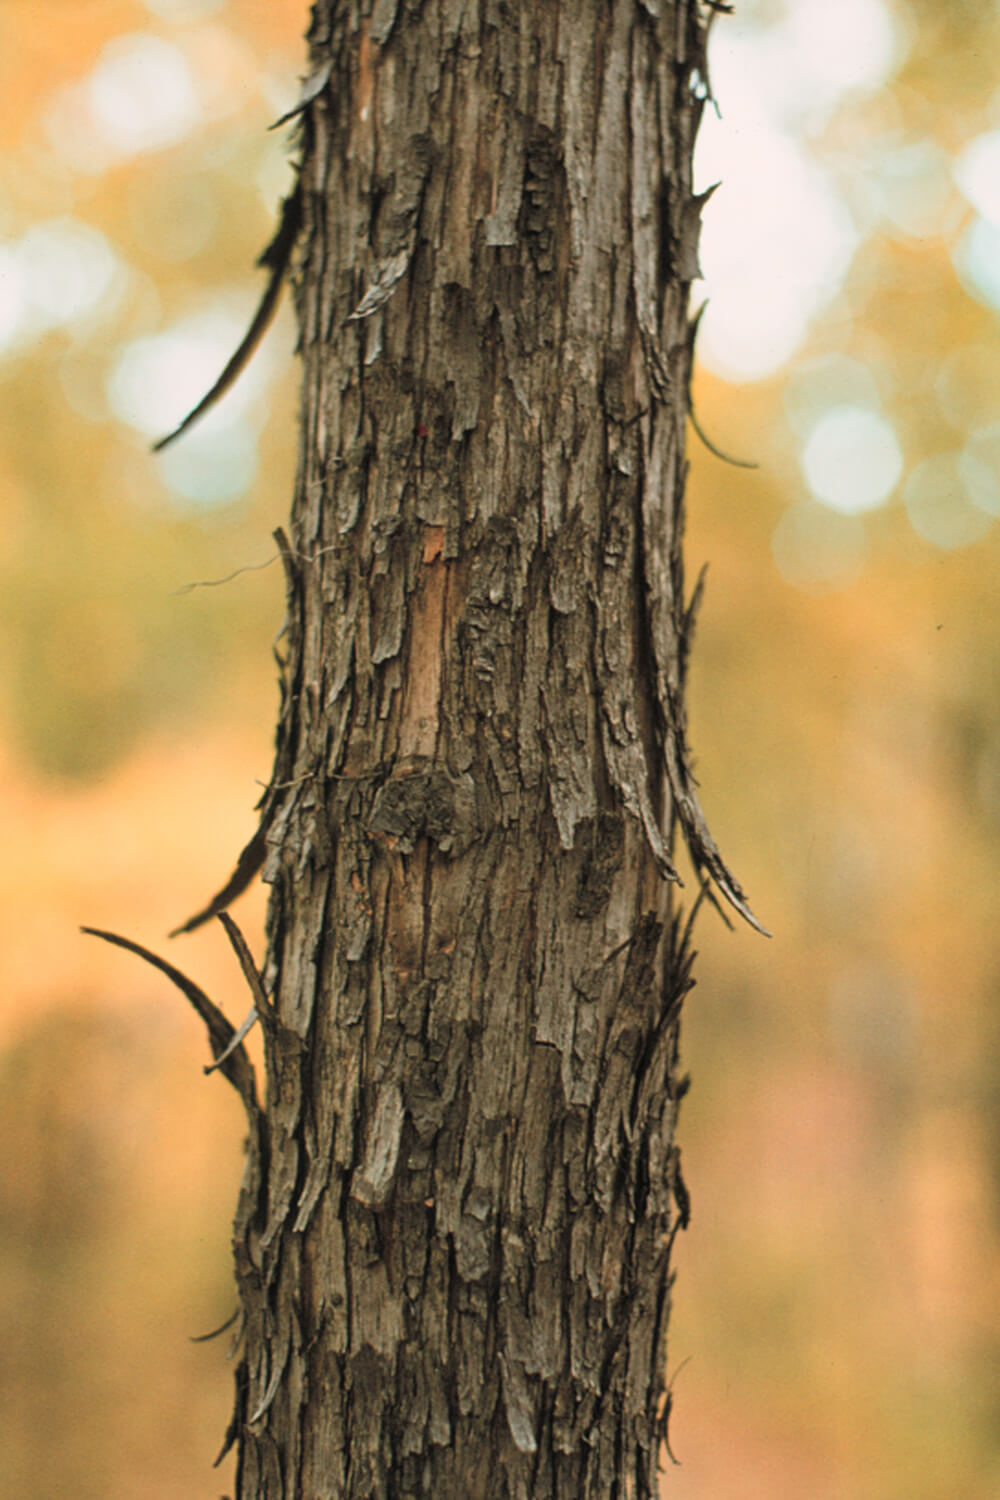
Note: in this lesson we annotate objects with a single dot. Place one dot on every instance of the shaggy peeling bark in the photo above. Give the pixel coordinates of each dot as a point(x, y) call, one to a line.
point(454, 1233)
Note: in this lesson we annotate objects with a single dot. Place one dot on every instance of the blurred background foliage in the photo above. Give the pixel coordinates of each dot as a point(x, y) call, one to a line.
point(837, 1322)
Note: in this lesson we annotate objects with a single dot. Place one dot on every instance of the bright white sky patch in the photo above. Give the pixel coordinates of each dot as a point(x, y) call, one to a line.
point(852, 460)
point(796, 71)
point(852, 44)
point(777, 237)
point(777, 241)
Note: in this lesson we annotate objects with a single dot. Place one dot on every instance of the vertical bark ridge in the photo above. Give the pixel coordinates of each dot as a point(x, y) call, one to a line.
point(455, 1278)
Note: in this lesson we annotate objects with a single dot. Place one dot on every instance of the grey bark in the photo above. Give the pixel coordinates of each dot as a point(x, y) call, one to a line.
point(454, 1234)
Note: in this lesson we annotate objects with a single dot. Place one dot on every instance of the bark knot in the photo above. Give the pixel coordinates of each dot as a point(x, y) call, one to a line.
point(425, 804)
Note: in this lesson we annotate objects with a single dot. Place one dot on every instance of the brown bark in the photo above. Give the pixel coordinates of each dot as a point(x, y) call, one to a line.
point(453, 1239)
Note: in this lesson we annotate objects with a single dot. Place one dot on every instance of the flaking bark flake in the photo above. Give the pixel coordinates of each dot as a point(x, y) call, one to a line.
point(455, 1271)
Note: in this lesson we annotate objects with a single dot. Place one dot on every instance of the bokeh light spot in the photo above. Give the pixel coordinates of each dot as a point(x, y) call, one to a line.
point(69, 269)
point(211, 467)
point(977, 172)
point(818, 550)
point(778, 238)
point(854, 45)
point(13, 297)
point(979, 466)
point(60, 272)
point(142, 95)
point(223, 70)
point(939, 504)
point(777, 242)
point(180, 11)
point(816, 385)
point(976, 258)
point(852, 460)
point(967, 384)
point(156, 381)
point(81, 379)
point(912, 190)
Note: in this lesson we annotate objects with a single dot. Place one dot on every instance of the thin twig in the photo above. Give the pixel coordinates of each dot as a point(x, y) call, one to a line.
point(250, 861)
point(727, 458)
point(214, 583)
point(261, 1010)
point(203, 1338)
point(237, 1068)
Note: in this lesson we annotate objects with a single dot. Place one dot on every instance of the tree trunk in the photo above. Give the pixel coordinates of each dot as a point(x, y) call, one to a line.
point(454, 1235)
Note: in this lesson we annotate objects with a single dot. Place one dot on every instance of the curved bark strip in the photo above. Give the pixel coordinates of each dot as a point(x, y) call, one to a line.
point(455, 1276)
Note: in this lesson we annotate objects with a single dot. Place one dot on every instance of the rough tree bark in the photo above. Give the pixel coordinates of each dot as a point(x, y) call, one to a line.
point(453, 1238)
